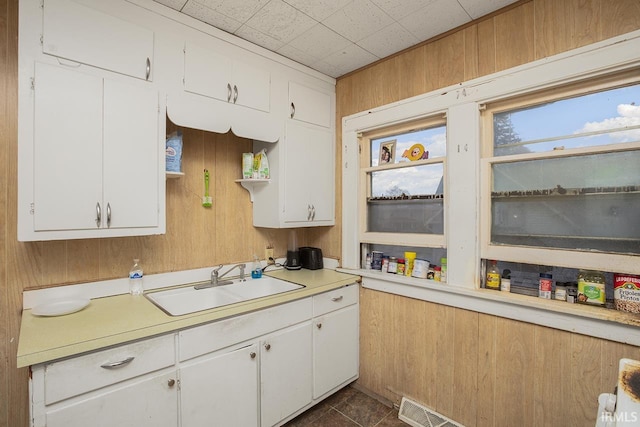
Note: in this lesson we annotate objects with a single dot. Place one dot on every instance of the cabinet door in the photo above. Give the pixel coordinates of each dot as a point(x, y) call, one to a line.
point(131, 150)
point(67, 149)
point(148, 402)
point(335, 349)
point(309, 175)
point(221, 390)
point(285, 373)
point(207, 72)
point(309, 105)
point(84, 34)
point(251, 86)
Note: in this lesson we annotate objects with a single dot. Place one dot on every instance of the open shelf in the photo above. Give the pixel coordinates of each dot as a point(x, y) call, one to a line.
point(248, 184)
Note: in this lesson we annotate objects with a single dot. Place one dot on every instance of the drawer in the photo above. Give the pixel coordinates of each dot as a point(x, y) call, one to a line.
point(334, 300)
point(223, 333)
point(71, 377)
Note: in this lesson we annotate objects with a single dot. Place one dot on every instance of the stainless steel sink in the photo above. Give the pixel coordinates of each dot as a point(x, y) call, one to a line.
point(188, 299)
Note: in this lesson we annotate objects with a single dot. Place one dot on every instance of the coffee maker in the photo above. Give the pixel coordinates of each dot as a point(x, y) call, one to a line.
point(293, 253)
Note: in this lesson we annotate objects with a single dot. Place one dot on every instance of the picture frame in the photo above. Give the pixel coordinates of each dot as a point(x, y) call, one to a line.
point(387, 152)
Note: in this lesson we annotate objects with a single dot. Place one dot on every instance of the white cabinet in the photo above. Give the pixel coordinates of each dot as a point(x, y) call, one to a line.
point(221, 389)
point(93, 165)
point(308, 172)
point(81, 32)
point(210, 73)
point(224, 88)
point(309, 105)
point(255, 369)
point(285, 373)
point(129, 385)
point(303, 163)
point(335, 339)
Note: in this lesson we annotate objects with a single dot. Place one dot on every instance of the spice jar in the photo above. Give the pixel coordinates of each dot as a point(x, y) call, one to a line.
point(561, 291)
point(400, 269)
point(545, 284)
point(393, 265)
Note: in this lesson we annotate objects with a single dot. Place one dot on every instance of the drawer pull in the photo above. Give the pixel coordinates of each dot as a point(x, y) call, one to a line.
point(319, 325)
point(252, 354)
point(171, 382)
point(337, 299)
point(119, 364)
point(267, 347)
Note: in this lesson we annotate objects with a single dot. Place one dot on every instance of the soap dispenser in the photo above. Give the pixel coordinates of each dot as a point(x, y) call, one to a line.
point(256, 268)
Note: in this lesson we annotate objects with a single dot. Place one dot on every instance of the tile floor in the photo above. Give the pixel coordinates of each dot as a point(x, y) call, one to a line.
point(348, 408)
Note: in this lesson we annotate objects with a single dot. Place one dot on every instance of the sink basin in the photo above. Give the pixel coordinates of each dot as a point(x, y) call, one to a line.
point(188, 299)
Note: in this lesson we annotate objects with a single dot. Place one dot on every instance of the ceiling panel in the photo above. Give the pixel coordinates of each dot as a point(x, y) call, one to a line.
point(336, 36)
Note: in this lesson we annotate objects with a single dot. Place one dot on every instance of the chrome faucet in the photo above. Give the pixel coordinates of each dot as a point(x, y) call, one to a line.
point(215, 277)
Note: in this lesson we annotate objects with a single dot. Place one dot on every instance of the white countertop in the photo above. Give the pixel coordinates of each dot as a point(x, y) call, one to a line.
point(113, 320)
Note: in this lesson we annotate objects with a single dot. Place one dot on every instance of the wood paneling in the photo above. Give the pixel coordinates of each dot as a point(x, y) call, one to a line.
point(478, 369)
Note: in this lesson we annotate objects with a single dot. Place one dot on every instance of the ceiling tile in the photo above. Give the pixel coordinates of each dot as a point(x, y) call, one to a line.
point(349, 58)
point(321, 41)
point(259, 38)
point(479, 8)
point(303, 57)
point(240, 10)
point(438, 17)
point(173, 4)
point(281, 21)
point(388, 40)
point(358, 20)
point(398, 9)
point(318, 9)
point(211, 17)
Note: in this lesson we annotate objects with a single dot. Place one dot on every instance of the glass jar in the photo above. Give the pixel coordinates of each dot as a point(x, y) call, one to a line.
point(591, 287)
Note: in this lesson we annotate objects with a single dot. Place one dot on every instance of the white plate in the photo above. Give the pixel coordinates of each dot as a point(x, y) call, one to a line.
point(60, 307)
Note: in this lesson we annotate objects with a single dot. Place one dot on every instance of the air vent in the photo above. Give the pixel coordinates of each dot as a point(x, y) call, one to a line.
point(418, 415)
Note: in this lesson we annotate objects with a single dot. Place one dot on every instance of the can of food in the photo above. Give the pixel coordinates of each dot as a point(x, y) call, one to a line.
point(591, 287)
point(544, 290)
point(420, 268)
point(626, 292)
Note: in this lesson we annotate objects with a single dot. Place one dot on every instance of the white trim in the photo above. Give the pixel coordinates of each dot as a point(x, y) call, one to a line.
point(463, 156)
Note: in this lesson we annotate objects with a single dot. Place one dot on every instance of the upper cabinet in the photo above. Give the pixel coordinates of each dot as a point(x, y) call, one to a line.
point(97, 158)
point(309, 105)
point(224, 88)
point(302, 188)
point(75, 31)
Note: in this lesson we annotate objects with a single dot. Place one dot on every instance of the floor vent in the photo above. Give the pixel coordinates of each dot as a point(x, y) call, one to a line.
point(418, 415)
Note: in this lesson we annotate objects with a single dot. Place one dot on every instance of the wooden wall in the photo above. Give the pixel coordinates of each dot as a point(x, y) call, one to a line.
point(483, 370)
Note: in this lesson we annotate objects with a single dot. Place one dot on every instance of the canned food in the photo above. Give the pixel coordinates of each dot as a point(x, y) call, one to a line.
point(626, 292)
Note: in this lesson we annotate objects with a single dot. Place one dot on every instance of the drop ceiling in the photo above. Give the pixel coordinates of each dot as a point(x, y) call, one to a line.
point(335, 37)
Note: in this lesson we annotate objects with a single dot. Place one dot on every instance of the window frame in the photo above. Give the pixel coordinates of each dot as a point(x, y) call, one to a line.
point(562, 257)
point(364, 185)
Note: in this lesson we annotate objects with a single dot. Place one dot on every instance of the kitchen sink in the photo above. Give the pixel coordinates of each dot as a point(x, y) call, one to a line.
point(188, 299)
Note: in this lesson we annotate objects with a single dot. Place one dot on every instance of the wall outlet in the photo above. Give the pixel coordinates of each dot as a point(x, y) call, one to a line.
point(268, 253)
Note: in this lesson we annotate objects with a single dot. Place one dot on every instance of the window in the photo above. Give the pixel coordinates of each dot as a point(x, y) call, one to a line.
point(561, 170)
point(402, 191)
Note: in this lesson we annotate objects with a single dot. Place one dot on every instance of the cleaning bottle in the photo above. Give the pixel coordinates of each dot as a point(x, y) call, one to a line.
point(135, 278)
point(493, 276)
point(256, 268)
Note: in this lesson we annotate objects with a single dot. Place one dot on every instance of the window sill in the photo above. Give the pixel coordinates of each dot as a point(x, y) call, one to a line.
point(583, 319)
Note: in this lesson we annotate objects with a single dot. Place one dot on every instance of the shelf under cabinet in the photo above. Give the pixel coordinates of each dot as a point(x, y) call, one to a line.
point(248, 184)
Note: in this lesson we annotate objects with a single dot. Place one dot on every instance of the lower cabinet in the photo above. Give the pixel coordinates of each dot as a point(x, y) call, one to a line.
point(256, 369)
point(221, 389)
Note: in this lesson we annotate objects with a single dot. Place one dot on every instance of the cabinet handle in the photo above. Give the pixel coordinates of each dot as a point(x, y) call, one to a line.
point(267, 347)
point(98, 215)
point(293, 110)
point(308, 212)
point(319, 325)
point(148, 73)
point(252, 354)
point(228, 92)
point(119, 364)
point(337, 299)
point(171, 382)
point(108, 215)
point(313, 212)
point(235, 93)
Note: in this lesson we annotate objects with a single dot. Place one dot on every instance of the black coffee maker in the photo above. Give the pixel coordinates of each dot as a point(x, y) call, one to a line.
point(293, 253)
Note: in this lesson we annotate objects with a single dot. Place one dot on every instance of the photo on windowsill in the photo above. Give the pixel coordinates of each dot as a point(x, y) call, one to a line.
point(387, 152)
